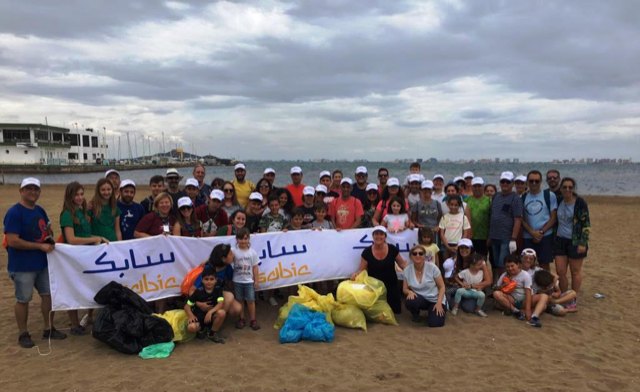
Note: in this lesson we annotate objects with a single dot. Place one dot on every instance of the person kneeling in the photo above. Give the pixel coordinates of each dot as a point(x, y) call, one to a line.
point(205, 308)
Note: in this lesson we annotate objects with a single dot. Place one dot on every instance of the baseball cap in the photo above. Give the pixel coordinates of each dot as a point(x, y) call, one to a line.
point(346, 180)
point(269, 170)
point(126, 183)
point(440, 176)
point(477, 181)
point(426, 184)
point(324, 173)
point(458, 178)
point(521, 178)
point(191, 182)
point(371, 187)
point(465, 242)
point(468, 174)
point(296, 170)
point(379, 228)
point(30, 181)
point(106, 174)
point(217, 194)
point(255, 196)
point(413, 178)
point(506, 175)
point(184, 201)
point(172, 172)
point(528, 252)
point(393, 181)
point(448, 267)
point(321, 188)
point(308, 191)
point(361, 170)
point(239, 166)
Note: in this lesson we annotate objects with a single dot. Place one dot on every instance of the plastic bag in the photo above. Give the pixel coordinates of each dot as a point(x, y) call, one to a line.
point(349, 316)
point(304, 323)
point(160, 350)
point(190, 278)
point(178, 320)
point(381, 313)
point(309, 298)
point(364, 292)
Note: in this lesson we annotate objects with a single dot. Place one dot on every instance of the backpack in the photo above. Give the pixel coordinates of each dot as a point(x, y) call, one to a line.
point(547, 198)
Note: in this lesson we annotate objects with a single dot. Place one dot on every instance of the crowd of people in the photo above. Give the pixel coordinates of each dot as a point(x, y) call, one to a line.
point(476, 240)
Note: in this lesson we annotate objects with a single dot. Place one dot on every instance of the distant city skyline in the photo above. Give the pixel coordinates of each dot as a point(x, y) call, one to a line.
point(342, 80)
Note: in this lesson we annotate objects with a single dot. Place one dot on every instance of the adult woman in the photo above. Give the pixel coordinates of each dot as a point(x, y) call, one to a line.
point(230, 203)
point(217, 183)
point(380, 261)
point(238, 220)
point(571, 242)
point(390, 191)
point(464, 257)
point(336, 178)
point(286, 202)
point(369, 205)
point(187, 223)
point(490, 190)
point(264, 187)
point(424, 289)
point(159, 221)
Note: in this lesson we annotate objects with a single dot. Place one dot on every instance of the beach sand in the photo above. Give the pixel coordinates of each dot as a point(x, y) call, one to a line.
point(595, 349)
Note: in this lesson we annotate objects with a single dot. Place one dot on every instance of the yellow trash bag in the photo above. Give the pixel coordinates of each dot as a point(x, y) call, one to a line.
point(309, 298)
point(363, 292)
point(381, 312)
point(349, 316)
point(178, 320)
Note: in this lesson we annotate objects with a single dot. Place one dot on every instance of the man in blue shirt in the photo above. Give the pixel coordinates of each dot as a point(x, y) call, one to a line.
point(130, 211)
point(540, 208)
point(29, 239)
point(505, 222)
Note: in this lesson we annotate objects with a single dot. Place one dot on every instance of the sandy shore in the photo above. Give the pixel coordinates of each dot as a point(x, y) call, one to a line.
point(595, 349)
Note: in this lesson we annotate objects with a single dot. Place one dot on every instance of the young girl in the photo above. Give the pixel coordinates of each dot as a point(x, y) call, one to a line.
point(245, 278)
point(427, 239)
point(105, 215)
point(397, 219)
point(369, 205)
point(513, 291)
point(469, 280)
point(187, 223)
point(454, 225)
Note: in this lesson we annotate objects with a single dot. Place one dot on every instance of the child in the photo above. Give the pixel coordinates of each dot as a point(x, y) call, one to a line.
point(192, 190)
point(468, 279)
point(454, 225)
point(308, 206)
point(105, 215)
point(205, 308)
point(273, 220)
point(556, 297)
point(245, 278)
point(320, 223)
point(254, 212)
point(513, 291)
point(130, 211)
point(427, 238)
point(297, 218)
point(397, 219)
point(156, 183)
point(187, 223)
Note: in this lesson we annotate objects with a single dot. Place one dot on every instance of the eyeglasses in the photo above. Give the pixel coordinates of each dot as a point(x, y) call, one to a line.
point(505, 182)
point(567, 188)
point(417, 253)
point(228, 190)
point(552, 178)
point(534, 181)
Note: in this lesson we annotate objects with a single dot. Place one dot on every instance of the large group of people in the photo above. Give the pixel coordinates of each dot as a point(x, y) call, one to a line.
point(475, 240)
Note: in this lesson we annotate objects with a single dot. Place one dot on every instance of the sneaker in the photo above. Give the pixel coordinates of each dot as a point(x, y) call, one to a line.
point(215, 337)
point(240, 324)
point(254, 325)
point(454, 311)
point(201, 334)
point(53, 334)
point(273, 301)
point(481, 313)
point(415, 318)
point(78, 331)
point(24, 340)
point(519, 315)
point(535, 322)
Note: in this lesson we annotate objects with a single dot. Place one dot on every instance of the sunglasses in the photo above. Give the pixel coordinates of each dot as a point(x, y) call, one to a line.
point(417, 253)
point(505, 182)
point(552, 178)
point(534, 181)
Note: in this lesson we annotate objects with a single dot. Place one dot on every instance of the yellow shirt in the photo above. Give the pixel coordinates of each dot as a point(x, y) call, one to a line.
point(243, 190)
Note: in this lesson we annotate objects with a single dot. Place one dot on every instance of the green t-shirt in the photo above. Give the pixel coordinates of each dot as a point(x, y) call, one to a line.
point(480, 213)
point(105, 224)
point(82, 229)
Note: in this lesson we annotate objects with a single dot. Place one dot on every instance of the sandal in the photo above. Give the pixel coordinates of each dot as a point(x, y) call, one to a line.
point(254, 325)
point(240, 323)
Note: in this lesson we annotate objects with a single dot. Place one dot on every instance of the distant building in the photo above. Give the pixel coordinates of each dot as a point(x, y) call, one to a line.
point(33, 144)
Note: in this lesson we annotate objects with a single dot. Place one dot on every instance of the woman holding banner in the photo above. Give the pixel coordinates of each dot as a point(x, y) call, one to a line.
point(380, 261)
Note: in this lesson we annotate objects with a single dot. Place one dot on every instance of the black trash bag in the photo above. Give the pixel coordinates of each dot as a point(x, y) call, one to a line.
point(125, 323)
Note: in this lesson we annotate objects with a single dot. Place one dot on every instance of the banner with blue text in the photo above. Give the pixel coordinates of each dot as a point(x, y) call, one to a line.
point(154, 267)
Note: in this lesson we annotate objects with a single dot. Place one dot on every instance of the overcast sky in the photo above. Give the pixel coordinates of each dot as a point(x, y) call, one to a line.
point(333, 79)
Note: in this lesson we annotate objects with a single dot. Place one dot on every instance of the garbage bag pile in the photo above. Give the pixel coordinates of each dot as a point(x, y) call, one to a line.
point(306, 324)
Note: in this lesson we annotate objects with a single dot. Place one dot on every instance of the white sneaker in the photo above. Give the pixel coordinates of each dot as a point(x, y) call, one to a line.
point(273, 301)
point(481, 313)
point(454, 311)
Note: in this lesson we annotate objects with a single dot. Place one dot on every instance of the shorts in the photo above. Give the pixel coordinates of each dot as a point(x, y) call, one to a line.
point(24, 282)
point(544, 248)
point(200, 315)
point(244, 292)
point(565, 247)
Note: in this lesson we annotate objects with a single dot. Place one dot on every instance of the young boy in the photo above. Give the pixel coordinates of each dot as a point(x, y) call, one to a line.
point(513, 291)
point(308, 207)
point(273, 221)
point(205, 308)
point(320, 223)
point(191, 189)
point(156, 183)
point(254, 212)
point(130, 211)
point(297, 218)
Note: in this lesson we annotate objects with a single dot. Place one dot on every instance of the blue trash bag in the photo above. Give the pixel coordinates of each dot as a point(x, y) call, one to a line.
point(304, 323)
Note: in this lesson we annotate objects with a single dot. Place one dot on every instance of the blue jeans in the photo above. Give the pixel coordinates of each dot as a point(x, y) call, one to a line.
point(500, 250)
point(470, 293)
point(24, 282)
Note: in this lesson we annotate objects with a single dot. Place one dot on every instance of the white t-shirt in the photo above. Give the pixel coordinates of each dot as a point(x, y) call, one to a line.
point(243, 262)
point(523, 282)
point(396, 222)
point(470, 278)
point(453, 226)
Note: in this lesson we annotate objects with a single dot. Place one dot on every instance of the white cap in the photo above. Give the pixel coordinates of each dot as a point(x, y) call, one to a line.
point(528, 252)
point(321, 188)
point(106, 174)
point(371, 187)
point(126, 183)
point(191, 182)
point(521, 178)
point(269, 170)
point(465, 242)
point(346, 180)
point(440, 176)
point(507, 175)
point(458, 178)
point(172, 172)
point(468, 174)
point(308, 191)
point(477, 181)
point(379, 228)
point(448, 267)
point(295, 170)
point(324, 173)
point(361, 170)
point(239, 166)
point(426, 184)
point(393, 181)
point(413, 177)
point(30, 181)
point(184, 201)
point(217, 194)
point(255, 196)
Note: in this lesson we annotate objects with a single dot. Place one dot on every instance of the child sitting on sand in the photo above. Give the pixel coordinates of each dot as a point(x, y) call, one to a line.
point(513, 290)
point(205, 308)
point(469, 280)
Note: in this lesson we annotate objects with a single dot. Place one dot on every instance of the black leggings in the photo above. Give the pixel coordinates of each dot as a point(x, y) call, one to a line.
point(419, 303)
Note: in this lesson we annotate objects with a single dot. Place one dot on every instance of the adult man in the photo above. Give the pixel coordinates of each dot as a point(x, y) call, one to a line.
point(243, 186)
point(130, 211)
point(346, 211)
point(540, 209)
point(479, 207)
point(553, 182)
point(211, 215)
point(468, 186)
point(296, 186)
point(204, 189)
point(114, 176)
point(505, 222)
point(520, 183)
point(359, 190)
point(29, 238)
point(270, 175)
point(191, 190)
point(427, 211)
point(438, 188)
point(383, 176)
point(172, 178)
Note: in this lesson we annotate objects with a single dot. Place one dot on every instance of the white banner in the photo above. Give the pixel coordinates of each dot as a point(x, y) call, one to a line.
point(154, 267)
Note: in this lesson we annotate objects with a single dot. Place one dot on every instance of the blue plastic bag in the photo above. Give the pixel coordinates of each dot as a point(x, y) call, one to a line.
point(304, 323)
